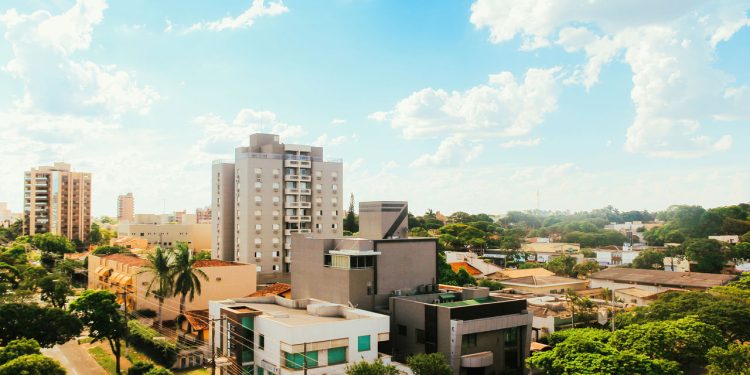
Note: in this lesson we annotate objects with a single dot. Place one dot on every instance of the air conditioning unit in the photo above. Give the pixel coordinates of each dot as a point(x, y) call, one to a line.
point(397, 292)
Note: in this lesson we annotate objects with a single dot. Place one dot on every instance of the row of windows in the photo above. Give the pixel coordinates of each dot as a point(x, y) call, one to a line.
point(293, 172)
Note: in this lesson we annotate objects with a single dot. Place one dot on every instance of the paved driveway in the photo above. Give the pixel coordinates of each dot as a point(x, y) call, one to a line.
point(75, 359)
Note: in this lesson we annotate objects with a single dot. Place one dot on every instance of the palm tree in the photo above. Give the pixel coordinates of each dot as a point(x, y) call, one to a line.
point(186, 278)
point(160, 265)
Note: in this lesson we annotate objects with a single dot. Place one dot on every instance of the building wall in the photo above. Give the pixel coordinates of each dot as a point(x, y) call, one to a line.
point(410, 314)
point(223, 282)
point(125, 210)
point(197, 236)
point(404, 265)
point(58, 201)
point(609, 284)
point(222, 210)
point(266, 207)
point(549, 289)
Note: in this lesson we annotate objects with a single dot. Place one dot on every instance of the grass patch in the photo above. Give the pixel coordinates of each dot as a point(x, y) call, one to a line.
point(103, 359)
point(195, 371)
point(86, 340)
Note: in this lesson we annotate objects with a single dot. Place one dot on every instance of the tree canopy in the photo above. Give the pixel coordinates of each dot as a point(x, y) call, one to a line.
point(47, 325)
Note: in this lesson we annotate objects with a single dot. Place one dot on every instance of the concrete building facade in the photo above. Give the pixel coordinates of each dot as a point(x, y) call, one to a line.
point(366, 271)
point(203, 215)
point(8, 217)
point(477, 333)
point(275, 335)
point(196, 236)
point(125, 208)
point(57, 200)
point(269, 192)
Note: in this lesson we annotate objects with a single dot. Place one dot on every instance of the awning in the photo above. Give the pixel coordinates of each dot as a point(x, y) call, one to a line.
point(476, 360)
point(103, 271)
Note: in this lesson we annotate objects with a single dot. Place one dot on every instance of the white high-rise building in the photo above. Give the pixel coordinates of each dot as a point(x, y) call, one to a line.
point(268, 192)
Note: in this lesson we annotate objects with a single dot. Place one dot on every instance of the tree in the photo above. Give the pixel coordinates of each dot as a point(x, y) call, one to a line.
point(202, 255)
point(32, 364)
point(733, 360)
point(159, 371)
point(47, 325)
point(649, 260)
point(99, 311)
point(140, 368)
point(375, 368)
point(685, 340)
point(586, 268)
point(160, 266)
point(107, 250)
point(745, 237)
point(186, 278)
point(17, 348)
point(55, 289)
point(52, 243)
point(463, 278)
point(562, 265)
point(492, 284)
point(350, 221)
point(707, 253)
point(429, 364)
point(9, 276)
point(94, 236)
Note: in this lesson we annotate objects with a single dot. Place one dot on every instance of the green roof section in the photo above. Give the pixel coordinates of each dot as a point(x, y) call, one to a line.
point(470, 302)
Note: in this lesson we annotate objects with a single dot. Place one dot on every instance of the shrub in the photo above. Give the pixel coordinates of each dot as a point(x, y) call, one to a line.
point(146, 313)
point(145, 339)
point(140, 368)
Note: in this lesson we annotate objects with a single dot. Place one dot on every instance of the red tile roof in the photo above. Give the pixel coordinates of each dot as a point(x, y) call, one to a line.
point(213, 263)
point(272, 290)
point(468, 267)
point(198, 319)
point(129, 259)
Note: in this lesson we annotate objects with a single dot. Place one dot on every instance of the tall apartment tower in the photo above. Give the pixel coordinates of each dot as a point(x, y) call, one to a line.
point(270, 191)
point(58, 201)
point(125, 208)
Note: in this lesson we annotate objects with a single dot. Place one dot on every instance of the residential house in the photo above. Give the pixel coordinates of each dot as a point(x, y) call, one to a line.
point(510, 273)
point(545, 284)
point(276, 335)
point(656, 280)
point(730, 239)
point(639, 297)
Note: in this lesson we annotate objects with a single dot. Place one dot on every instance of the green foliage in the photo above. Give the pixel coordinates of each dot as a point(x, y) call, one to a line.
point(492, 284)
point(146, 313)
point(649, 260)
point(52, 243)
point(145, 339)
point(55, 289)
point(745, 237)
point(733, 360)
point(375, 368)
point(708, 253)
point(140, 368)
point(418, 232)
point(159, 371)
point(351, 222)
point(562, 265)
point(588, 253)
point(14, 255)
point(103, 359)
point(463, 278)
point(202, 255)
point(32, 364)
point(94, 236)
point(589, 353)
point(17, 348)
point(685, 340)
point(586, 268)
point(730, 314)
point(9, 276)
point(107, 250)
point(588, 334)
point(529, 265)
point(429, 364)
point(47, 325)
point(740, 252)
point(186, 278)
point(99, 311)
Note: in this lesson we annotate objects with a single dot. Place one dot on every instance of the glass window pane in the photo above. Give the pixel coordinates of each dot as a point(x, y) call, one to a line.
point(336, 355)
point(363, 343)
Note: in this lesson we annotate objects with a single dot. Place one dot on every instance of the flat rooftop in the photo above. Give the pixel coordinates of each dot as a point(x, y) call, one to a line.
point(296, 313)
point(656, 277)
point(470, 302)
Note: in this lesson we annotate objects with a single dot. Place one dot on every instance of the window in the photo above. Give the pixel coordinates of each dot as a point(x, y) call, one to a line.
point(297, 361)
point(363, 343)
point(275, 240)
point(318, 225)
point(275, 171)
point(275, 267)
point(511, 336)
point(259, 370)
point(259, 269)
point(261, 341)
point(401, 330)
point(334, 226)
point(336, 356)
point(258, 226)
point(258, 241)
point(258, 170)
point(334, 187)
point(318, 187)
point(258, 185)
point(275, 199)
point(258, 198)
point(469, 341)
point(334, 174)
point(335, 213)
point(276, 185)
point(258, 254)
point(275, 226)
point(275, 253)
point(420, 335)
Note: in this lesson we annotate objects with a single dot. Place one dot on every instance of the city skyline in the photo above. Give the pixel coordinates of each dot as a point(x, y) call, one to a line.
point(589, 104)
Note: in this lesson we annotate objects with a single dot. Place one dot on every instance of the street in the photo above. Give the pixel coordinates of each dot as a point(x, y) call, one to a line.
point(75, 359)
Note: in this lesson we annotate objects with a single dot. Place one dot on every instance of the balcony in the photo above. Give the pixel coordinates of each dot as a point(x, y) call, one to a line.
point(291, 191)
point(291, 218)
point(287, 259)
point(305, 218)
point(305, 191)
point(289, 232)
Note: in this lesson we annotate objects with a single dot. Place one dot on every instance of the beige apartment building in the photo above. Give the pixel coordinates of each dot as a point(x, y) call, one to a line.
point(270, 191)
point(125, 207)
point(203, 215)
point(196, 236)
point(57, 200)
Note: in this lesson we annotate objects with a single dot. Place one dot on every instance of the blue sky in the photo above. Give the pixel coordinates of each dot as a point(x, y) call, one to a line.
point(460, 105)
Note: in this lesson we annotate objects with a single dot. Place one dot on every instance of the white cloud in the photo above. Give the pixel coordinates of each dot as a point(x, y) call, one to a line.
point(324, 140)
point(521, 143)
point(220, 137)
point(454, 149)
point(43, 48)
point(258, 8)
point(503, 107)
point(338, 121)
point(168, 26)
point(670, 50)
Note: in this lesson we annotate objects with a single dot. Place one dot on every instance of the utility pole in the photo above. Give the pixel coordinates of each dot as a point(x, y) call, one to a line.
point(304, 357)
point(613, 310)
point(125, 306)
point(213, 343)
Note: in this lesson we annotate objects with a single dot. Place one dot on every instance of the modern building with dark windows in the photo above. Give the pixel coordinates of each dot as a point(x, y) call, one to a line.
point(477, 333)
